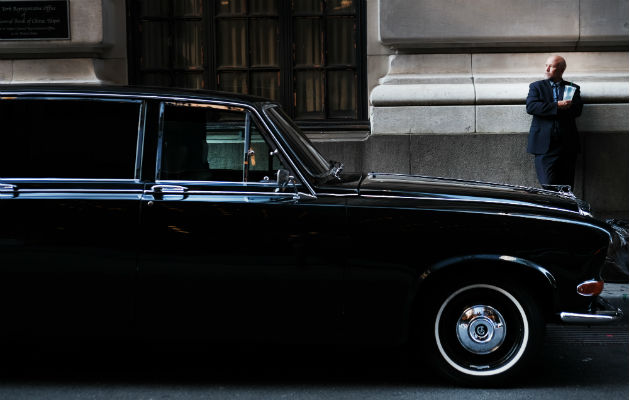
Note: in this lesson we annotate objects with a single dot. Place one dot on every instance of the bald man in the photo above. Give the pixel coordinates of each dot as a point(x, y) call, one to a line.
point(553, 136)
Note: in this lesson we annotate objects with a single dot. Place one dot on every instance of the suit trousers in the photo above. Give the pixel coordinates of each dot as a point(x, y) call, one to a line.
point(556, 168)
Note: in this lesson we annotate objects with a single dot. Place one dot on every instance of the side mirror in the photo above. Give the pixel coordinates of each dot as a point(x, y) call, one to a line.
point(283, 179)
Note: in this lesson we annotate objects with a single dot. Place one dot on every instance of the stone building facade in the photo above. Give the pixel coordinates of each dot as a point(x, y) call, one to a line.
point(446, 82)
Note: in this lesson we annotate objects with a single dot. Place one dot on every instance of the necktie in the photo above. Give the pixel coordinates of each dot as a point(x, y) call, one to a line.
point(554, 87)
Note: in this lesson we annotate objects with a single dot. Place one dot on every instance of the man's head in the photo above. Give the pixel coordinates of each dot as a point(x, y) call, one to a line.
point(554, 68)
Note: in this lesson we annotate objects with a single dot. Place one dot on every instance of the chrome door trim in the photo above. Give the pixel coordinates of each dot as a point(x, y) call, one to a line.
point(8, 190)
point(167, 189)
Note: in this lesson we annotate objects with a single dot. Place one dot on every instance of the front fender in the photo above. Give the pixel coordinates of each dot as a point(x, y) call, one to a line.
point(492, 260)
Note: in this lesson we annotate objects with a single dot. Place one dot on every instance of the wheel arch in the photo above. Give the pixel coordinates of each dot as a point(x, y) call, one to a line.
point(529, 276)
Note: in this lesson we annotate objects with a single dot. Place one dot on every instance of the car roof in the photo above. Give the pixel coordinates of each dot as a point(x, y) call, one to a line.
point(131, 91)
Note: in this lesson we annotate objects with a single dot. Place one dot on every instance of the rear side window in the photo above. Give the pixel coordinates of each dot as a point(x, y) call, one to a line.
point(80, 139)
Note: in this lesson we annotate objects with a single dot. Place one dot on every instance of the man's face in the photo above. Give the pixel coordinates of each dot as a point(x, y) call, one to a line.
point(554, 67)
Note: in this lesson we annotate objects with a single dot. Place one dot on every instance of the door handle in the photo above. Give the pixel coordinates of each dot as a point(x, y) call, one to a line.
point(174, 192)
point(8, 190)
point(168, 189)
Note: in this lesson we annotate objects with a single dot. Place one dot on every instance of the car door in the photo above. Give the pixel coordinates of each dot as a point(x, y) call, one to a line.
point(227, 255)
point(69, 204)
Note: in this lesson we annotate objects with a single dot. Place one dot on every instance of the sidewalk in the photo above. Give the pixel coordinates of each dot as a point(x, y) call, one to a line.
point(617, 295)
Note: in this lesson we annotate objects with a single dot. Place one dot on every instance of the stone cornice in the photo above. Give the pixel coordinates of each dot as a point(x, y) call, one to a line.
point(448, 25)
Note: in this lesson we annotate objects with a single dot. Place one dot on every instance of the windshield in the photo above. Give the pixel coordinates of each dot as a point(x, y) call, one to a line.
point(298, 143)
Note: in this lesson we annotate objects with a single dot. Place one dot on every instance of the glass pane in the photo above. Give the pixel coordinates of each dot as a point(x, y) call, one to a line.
point(263, 42)
point(340, 6)
point(188, 44)
point(309, 94)
point(188, 8)
point(55, 144)
point(266, 84)
point(263, 7)
point(184, 152)
point(231, 43)
point(190, 80)
point(155, 53)
point(202, 143)
point(225, 136)
point(233, 82)
point(155, 79)
point(231, 7)
point(341, 41)
point(307, 6)
point(342, 94)
point(308, 43)
point(154, 8)
point(261, 164)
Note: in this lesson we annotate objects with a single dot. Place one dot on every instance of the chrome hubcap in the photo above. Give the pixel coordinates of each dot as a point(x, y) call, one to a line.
point(481, 329)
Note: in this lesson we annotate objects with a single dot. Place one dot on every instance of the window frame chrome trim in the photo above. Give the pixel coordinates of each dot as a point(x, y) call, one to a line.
point(160, 142)
point(278, 132)
point(226, 192)
point(138, 97)
point(142, 125)
point(285, 155)
point(258, 119)
point(216, 183)
point(61, 190)
point(70, 180)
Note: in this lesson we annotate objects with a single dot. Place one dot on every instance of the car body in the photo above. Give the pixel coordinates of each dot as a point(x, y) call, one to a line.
point(210, 216)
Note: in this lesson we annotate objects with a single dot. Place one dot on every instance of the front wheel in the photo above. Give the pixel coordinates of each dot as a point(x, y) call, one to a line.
point(484, 333)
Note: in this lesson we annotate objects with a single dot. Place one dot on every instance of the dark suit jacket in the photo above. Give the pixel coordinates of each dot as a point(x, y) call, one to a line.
point(540, 104)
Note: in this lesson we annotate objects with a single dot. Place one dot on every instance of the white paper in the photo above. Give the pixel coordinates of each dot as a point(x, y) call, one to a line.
point(568, 92)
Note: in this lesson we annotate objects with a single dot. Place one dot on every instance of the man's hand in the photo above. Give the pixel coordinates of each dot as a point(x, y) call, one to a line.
point(564, 104)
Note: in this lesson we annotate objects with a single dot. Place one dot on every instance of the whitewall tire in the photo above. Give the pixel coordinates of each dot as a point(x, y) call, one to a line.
point(483, 332)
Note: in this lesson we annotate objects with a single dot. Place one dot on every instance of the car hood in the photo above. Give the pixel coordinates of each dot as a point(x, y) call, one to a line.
point(483, 194)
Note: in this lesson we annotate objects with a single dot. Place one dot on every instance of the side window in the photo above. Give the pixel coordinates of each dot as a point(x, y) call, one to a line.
point(76, 139)
point(213, 143)
point(261, 163)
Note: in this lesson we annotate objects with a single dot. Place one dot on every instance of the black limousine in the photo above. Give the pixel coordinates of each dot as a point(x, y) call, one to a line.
point(210, 216)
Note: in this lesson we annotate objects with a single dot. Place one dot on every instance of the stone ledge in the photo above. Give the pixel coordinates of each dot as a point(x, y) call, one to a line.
point(514, 118)
point(604, 118)
point(422, 119)
point(486, 119)
point(54, 50)
point(423, 94)
point(75, 70)
point(489, 91)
